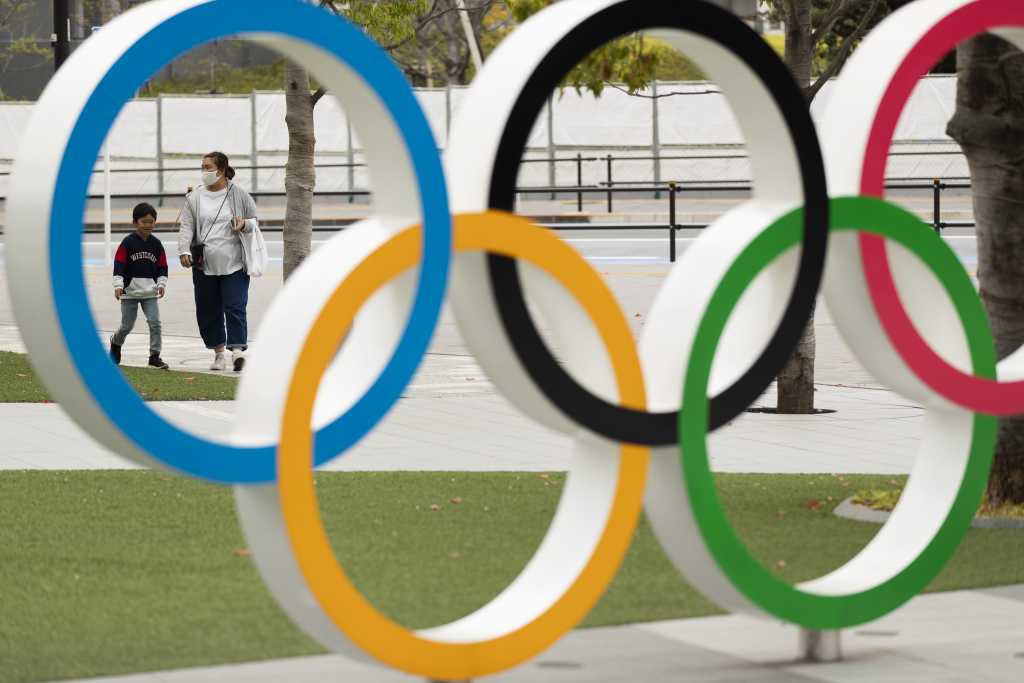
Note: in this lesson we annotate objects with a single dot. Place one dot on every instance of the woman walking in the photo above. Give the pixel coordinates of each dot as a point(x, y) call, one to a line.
point(209, 243)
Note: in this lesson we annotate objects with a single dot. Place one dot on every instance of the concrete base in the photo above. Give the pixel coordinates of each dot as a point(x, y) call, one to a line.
point(820, 646)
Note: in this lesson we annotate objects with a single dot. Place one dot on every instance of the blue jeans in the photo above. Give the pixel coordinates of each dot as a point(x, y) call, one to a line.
point(220, 308)
point(130, 312)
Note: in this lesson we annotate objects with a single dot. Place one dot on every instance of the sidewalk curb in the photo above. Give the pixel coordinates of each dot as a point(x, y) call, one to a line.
point(860, 513)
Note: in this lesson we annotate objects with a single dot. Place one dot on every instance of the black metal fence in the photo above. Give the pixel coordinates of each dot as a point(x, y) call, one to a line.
point(673, 192)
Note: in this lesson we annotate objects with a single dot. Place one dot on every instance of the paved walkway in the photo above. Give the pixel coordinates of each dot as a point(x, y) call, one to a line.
point(482, 432)
point(452, 418)
point(921, 643)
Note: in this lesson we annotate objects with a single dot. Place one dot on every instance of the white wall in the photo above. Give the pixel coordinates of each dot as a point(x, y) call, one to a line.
point(696, 123)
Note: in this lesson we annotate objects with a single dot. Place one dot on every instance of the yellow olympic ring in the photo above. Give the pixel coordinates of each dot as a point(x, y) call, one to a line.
point(507, 235)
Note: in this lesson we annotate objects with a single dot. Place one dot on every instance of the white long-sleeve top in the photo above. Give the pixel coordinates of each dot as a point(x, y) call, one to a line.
point(222, 248)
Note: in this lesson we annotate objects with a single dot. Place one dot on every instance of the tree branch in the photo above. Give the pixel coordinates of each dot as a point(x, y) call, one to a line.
point(838, 9)
point(677, 93)
point(844, 52)
point(430, 15)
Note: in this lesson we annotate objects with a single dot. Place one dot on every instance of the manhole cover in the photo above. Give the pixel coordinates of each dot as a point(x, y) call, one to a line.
point(555, 664)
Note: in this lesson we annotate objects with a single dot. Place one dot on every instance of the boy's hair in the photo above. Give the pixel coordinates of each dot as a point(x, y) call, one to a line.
point(141, 210)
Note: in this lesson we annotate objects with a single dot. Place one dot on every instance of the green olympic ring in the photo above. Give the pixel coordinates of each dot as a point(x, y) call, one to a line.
point(818, 610)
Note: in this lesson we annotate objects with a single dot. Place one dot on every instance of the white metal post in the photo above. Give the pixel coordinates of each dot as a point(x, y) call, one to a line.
point(106, 202)
point(656, 132)
point(160, 148)
point(254, 155)
point(467, 26)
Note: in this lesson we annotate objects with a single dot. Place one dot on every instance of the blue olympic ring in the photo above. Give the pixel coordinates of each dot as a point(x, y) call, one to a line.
point(162, 440)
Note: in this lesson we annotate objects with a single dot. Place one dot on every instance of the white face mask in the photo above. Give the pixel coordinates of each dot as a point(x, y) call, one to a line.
point(210, 178)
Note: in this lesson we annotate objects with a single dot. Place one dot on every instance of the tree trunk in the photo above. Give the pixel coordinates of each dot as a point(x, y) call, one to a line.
point(796, 380)
point(989, 125)
point(300, 173)
point(799, 41)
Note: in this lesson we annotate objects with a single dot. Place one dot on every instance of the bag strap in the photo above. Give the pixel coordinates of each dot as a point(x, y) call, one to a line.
point(199, 198)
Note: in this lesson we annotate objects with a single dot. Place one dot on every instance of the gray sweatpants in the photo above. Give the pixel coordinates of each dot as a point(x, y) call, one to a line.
point(129, 312)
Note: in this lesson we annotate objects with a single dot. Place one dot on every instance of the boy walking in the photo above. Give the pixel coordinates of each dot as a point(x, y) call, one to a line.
point(140, 279)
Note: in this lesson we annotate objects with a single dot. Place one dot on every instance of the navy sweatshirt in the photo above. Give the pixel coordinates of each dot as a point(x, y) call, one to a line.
point(140, 267)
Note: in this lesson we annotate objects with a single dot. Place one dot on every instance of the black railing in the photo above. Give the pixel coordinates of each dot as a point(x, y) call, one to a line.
point(608, 161)
point(672, 189)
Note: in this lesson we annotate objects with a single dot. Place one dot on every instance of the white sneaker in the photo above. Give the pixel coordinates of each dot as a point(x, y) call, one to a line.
point(238, 359)
point(218, 362)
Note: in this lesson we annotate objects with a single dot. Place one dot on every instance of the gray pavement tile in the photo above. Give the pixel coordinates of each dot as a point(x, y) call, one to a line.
point(998, 659)
point(881, 666)
point(918, 643)
point(1008, 593)
point(629, 653)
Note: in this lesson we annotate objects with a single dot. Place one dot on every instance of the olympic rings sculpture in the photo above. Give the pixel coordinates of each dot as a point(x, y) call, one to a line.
point(727, 318)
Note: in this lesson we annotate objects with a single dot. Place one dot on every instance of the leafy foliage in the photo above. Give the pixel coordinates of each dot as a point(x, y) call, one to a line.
point(16, 42)
point(632, 60)
point(830, 29)
point(846, 28)
point(672, 65)
point(439, 52)
point(228, 79)
point(390, 22)
point(427, 39)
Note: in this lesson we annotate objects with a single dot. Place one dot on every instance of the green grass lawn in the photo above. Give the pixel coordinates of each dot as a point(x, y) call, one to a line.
point(104, 573)
point(18, 383)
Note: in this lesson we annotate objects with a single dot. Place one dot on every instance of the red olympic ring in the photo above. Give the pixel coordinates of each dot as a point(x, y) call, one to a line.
point(986, 396)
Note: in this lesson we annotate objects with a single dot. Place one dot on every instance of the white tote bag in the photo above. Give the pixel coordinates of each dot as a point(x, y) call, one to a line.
point(254, 251)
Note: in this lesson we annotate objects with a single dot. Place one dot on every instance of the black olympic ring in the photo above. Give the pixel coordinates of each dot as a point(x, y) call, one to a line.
point(629, 16)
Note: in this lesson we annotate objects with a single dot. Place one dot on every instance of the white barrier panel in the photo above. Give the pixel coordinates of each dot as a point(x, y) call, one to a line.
point(692, 124)
point(196, 125)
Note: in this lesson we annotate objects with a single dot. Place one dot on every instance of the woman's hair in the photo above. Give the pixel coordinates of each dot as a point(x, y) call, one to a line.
point(220, 159)
point(143, 210)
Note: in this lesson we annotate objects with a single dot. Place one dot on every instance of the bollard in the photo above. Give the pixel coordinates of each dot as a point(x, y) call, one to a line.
point(579, 182)
point(672, 222)
point(937, 206)
point(820, 646)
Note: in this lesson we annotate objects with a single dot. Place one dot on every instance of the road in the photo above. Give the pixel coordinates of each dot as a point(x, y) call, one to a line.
point(633, 263)
point(635, 246)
